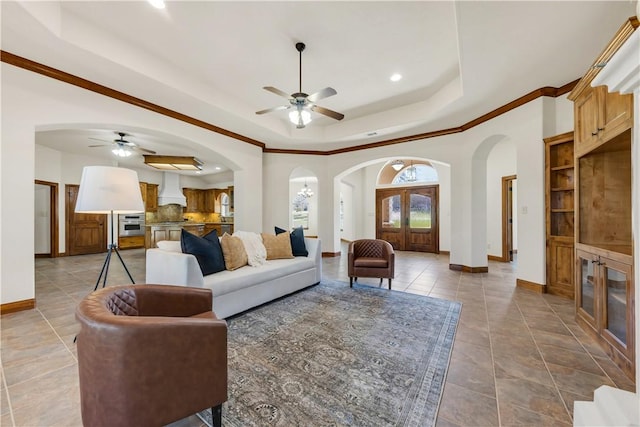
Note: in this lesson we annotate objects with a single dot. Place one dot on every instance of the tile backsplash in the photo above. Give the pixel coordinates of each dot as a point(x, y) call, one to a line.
point(174, 212)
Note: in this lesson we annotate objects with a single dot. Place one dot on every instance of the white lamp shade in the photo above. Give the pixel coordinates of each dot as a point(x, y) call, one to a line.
point(106, 189)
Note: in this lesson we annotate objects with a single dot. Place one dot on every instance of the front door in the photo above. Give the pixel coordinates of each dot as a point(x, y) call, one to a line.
point(86, 233)
point(407, 218)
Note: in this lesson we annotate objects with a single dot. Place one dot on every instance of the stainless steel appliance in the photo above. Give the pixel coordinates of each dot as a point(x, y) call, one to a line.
point(131, 224)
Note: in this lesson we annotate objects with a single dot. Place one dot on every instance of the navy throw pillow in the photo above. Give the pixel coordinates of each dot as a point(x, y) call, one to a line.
point(207, 251)
point(298, 248)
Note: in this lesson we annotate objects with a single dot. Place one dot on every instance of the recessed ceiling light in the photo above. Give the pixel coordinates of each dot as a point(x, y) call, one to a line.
point(395, 77)
point(158, 4)
point(218, 168)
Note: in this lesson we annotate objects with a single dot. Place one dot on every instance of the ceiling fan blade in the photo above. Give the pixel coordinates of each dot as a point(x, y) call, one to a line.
point(98, 139)
point(143, 149)
point(100, 145)
point(269, 110)
point(324, 93)
point(277, 92)
point(327, 112)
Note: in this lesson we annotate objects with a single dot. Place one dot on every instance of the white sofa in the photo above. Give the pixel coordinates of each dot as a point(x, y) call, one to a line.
point(238, 290)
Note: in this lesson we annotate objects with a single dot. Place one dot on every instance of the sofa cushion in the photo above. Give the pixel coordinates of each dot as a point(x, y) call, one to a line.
point(170, 245)
point(230, 281)
point(370, 262)
point(278, 246)
point(256, 252)
point(234, 253)
point(206, 250)
point(298, 248)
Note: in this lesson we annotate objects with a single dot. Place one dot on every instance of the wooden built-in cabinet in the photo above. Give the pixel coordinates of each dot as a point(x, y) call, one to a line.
point(599, 116)
point(605, 301)
point(560, 205)
point(604, 285)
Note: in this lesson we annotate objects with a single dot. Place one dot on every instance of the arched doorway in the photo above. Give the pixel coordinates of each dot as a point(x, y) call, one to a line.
point(303, 190)
point(407, 210)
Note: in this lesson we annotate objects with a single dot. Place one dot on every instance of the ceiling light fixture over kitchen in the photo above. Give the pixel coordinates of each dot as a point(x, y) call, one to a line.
point(184, 163)
point(395, 77)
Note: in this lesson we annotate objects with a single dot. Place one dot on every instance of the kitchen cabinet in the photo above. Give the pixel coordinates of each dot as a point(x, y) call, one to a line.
point(230, 192)
point(559, 207)
point(605, 301)
point(195, 200)
point(130, 242)
point(210, 200)
point(221, 228)
point(164, 231)
point(149, 194)
point(600, 116)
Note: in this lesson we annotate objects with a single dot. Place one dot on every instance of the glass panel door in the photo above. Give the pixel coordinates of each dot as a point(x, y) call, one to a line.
point(419, 211)
point(391, 213)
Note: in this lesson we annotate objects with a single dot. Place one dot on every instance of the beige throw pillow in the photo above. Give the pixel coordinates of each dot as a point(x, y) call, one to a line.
point(233, 251)
point(278, 246)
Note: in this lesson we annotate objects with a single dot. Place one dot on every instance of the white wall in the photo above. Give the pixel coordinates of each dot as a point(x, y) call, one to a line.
point(349, 215)
point(500, 163)
point(30, 103)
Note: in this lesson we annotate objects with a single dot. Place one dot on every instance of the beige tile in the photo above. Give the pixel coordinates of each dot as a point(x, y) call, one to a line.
point(48, 400)
point(464, 407)
point(472, 370)
point(576, 381)
point(569, 398)
point(512, 415)
point(619, 378)
point(571, 359)
point(27, 369)
point(533, 397)
point(524, 366)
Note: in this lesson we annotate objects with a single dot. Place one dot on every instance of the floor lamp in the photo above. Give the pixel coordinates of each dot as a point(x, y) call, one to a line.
point(109, 190)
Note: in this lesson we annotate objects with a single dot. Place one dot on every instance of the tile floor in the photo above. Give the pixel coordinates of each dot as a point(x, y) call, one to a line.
point(518, 359)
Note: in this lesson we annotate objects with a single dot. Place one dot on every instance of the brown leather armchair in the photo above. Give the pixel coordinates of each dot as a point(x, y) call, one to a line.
point(149, 355)
point(371, 258)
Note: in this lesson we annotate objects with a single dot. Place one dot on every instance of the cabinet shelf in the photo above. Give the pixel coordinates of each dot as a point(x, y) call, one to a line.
point(562, 189)
point(563, 167)
point(561, 210)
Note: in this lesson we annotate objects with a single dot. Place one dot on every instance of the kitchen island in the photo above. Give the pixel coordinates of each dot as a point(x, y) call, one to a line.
point(171, 230)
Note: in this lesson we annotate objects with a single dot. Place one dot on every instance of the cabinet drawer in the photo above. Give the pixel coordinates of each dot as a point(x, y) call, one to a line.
point(131, 242)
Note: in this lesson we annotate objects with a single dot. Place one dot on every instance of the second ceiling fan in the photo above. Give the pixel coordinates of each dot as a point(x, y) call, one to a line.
point(301, 102)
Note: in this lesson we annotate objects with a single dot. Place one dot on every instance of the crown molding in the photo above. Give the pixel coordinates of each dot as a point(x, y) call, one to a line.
point(45, 70)
point(625, 31)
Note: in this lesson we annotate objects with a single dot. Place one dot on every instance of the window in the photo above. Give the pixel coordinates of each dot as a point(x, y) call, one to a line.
point(423, 173)
point(224, 204)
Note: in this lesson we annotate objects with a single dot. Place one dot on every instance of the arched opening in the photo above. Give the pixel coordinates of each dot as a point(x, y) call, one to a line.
point(303, 190)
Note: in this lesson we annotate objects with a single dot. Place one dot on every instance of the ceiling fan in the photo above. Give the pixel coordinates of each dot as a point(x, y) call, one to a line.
point(301, 102)
point(122, 147)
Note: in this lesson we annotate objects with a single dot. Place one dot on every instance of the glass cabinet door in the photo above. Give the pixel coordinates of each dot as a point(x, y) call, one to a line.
point(586, 289)
point(618, 299)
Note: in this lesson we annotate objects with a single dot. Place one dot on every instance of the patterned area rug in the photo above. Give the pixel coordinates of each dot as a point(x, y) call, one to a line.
point(334, 356)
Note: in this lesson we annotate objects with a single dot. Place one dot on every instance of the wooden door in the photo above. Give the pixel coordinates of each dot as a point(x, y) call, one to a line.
point(86, 233)
point(407, 218)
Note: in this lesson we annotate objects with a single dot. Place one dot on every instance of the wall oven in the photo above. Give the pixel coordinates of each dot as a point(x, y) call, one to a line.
point(131, 224)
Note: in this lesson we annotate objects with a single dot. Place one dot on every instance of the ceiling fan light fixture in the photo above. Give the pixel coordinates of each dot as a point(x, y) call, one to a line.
point(300, 118)
point(397, 165)
point(122, 152)
point(184, 163)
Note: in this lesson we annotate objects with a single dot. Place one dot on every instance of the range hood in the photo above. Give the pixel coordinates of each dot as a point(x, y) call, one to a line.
point(170, 192)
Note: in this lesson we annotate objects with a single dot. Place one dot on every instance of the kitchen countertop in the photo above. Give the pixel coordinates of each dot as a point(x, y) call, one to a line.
point(182, 223)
